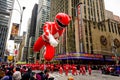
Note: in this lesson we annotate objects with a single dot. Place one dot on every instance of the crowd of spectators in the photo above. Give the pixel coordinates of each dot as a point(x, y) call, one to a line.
point(28, 71)
point(22, 72)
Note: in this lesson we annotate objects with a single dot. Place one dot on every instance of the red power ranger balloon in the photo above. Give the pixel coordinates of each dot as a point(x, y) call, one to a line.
point(51, 32)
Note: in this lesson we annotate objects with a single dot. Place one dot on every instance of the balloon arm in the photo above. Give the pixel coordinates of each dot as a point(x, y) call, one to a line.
point(46, 29)
point(52, 40)
point(48, 34)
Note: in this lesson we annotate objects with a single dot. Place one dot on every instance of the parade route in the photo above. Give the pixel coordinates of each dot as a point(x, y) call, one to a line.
point(96, 75)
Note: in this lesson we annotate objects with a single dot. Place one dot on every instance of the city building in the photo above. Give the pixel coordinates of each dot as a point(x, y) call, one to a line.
point(31, 35)
point(26, 47)
point(42, 17)
point(5, 17)
point(28, 38)
point(93, 34)
point(22, 55)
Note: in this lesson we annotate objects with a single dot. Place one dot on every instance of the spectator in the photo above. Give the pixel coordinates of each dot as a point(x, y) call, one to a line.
point(27, 75)
point(7, 76)
point(38, 76)
point(42, 75)
point(34, 76)
point(61, 70)
point(17, 74)
point(46, 74)
point(2, 73)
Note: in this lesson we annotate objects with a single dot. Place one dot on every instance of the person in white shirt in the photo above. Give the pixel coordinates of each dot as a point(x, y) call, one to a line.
point(17, 74)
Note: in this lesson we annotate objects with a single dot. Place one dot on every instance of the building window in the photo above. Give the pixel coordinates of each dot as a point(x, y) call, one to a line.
point(86, 30)
point(85, 12)
point(87, 47)
point(109, 26)
point(104, 27)
point(115, 28)
point(119, 30)
point(86, 39)
point(112, 27)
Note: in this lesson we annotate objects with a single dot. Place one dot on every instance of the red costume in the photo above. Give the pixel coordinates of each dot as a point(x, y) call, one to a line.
point(90, 70)
point(52, 31)
point(60, 70)
point(74, 70)
point(81, 70)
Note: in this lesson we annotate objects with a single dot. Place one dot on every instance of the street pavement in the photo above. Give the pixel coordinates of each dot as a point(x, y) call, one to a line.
point(96, 75)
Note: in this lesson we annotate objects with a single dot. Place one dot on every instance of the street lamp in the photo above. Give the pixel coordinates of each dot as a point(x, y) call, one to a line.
point(21, 15)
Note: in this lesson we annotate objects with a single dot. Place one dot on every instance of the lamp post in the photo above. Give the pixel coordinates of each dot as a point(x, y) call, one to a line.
point(21, 15)
point(80, 25)
point(23, 8)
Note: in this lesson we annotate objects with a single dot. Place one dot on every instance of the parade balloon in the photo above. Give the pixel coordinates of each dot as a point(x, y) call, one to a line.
point(51, 32)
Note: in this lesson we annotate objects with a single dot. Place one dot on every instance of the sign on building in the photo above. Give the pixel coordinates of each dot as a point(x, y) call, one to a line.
point(14, 31)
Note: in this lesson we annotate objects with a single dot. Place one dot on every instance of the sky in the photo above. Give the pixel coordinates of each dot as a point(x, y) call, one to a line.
point(111, 5)
point(29, 4)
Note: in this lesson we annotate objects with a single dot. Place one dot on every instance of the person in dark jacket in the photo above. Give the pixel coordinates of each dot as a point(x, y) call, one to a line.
point(27, 75)
point(7, 76)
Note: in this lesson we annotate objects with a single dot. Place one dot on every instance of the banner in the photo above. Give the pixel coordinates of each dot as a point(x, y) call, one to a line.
point(14, 31)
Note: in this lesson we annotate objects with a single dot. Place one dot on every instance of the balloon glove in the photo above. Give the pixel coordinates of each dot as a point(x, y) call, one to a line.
point(52, 41)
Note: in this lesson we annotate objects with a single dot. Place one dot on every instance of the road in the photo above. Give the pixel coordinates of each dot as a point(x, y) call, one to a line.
point(96, 75)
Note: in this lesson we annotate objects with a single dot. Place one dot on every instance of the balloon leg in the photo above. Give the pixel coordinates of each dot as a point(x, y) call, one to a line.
point(38, 44)
point(49, 53)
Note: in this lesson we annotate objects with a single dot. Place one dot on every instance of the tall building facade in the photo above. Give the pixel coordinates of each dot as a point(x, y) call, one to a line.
point(22, 54)
point(31, 34)
point(90, 35)
point(42, 17)
point(5, 17)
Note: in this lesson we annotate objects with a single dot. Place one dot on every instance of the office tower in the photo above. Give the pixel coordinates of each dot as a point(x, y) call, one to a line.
point(5, 17)
point(31, 34)
point(43, 16)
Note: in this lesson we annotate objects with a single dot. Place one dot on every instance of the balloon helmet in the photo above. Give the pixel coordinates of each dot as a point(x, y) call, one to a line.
point(62, 20)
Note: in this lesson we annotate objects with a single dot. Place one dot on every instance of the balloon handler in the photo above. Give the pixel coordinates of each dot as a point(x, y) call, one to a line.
point(51, 32)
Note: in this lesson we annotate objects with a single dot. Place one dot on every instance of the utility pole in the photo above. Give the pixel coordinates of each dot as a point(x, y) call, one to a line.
point(20, 11)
